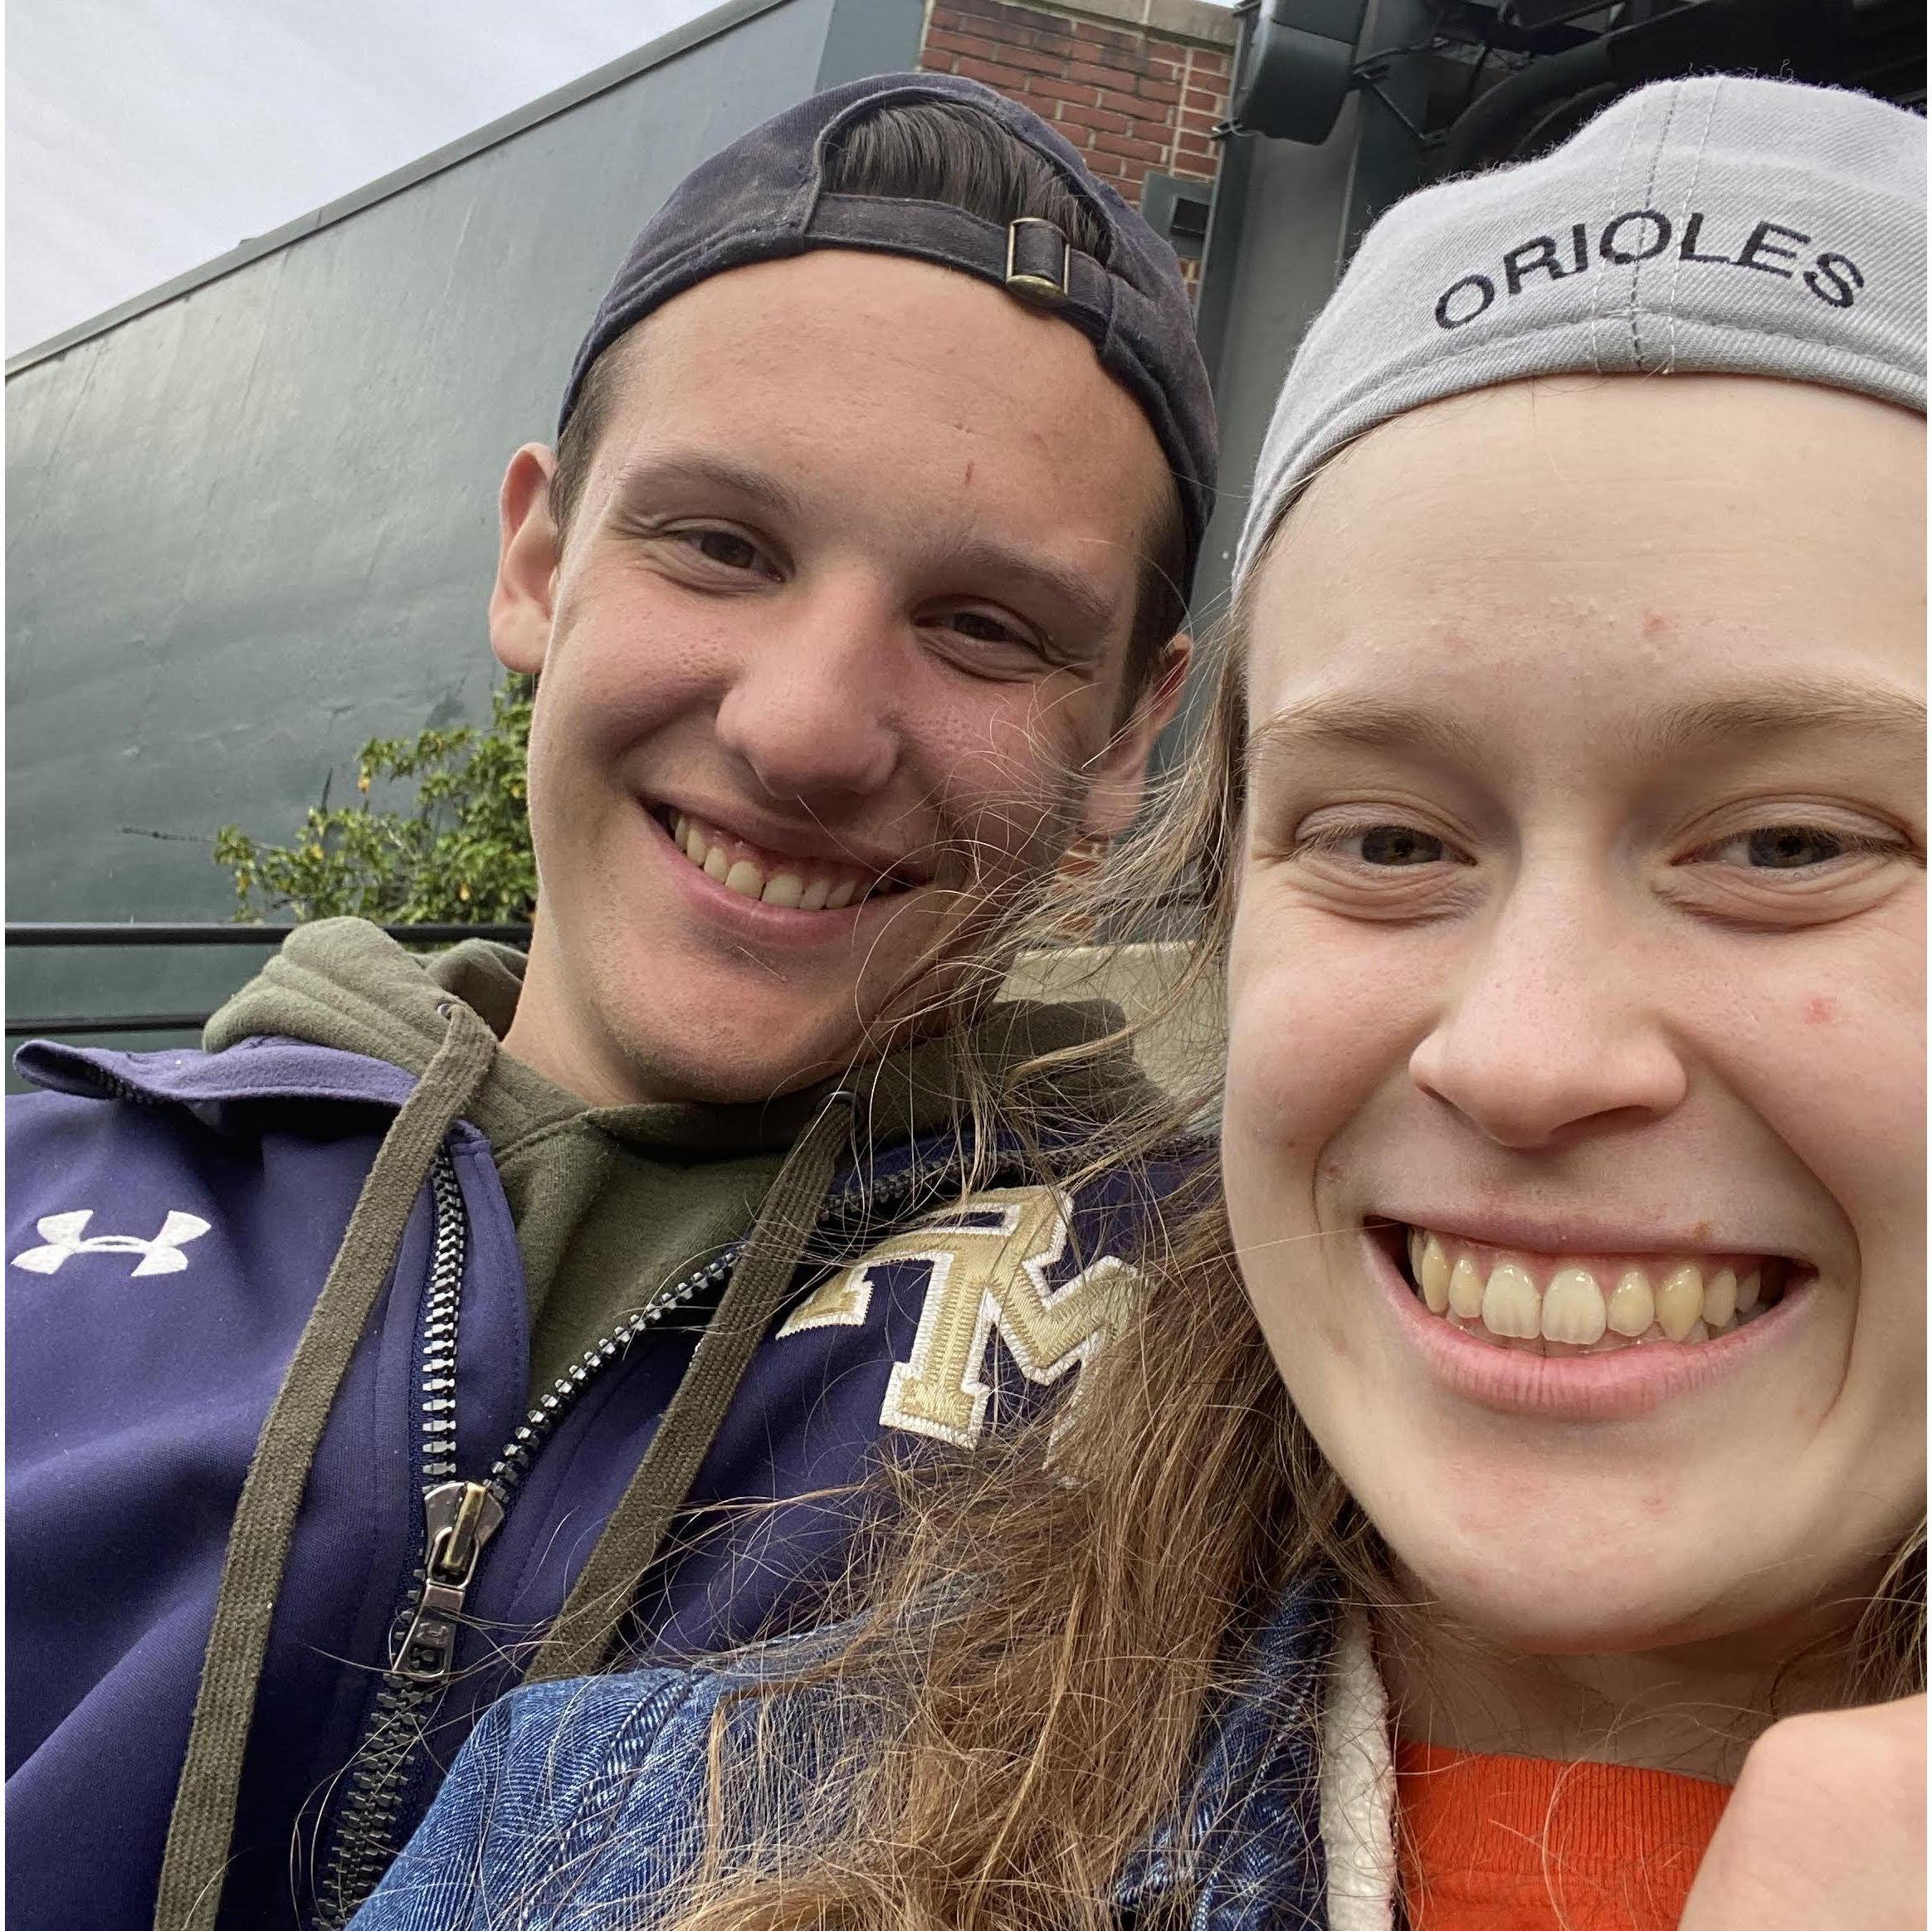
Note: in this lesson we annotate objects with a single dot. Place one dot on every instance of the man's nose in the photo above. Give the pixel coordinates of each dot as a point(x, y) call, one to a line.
point(1553, 1031)
point(814, 703)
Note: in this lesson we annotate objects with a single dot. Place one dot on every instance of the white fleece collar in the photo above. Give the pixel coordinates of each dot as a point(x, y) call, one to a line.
point(1357, 1786)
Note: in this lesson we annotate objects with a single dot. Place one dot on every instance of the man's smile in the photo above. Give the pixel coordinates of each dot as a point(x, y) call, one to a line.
point(795, 880)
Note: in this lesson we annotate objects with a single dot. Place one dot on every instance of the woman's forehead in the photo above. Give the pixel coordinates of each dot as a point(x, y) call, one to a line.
point(1573, 529)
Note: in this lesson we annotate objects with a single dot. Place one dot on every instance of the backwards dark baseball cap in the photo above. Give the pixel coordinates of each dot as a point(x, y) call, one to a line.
point(763, 197)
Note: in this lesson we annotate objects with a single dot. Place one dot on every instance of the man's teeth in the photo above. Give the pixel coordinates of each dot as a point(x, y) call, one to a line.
point(799, 885)
point(1594, 1307)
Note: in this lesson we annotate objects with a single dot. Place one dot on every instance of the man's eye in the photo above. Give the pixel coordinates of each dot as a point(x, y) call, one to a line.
point(724, 546)
point(982, 627)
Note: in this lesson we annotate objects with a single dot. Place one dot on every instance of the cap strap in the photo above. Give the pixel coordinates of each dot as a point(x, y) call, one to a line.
point(1032, 259)
point(1038, 255)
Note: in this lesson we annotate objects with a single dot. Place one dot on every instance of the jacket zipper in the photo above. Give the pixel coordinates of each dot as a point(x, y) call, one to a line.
point(365, 1830)
point(459, 1518)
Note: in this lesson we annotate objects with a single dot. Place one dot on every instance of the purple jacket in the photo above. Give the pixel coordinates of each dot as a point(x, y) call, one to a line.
point(171, 1217)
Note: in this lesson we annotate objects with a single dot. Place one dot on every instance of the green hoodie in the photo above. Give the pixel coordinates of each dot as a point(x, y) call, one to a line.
point(613, 1203)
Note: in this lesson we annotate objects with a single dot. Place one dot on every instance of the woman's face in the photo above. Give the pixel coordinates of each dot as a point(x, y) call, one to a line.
point(1573, 1136)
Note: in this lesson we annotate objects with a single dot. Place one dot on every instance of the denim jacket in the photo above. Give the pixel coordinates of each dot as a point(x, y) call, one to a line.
point(579, 1806)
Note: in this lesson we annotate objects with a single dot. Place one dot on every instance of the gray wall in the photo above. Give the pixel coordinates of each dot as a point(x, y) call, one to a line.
point(253, 521)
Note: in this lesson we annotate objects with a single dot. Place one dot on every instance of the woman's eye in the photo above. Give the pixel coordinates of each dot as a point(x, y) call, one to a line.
point(1377, 844)
point(1400, 845)
point(1791, 847)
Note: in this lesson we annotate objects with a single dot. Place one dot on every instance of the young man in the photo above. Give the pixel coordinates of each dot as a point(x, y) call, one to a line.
point(852, 589)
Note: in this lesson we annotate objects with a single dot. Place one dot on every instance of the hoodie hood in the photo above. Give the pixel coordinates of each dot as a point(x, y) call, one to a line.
point(346, 984)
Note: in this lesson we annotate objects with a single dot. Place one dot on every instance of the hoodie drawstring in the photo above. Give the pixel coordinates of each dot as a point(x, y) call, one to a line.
point(580, 1639)
point(201, 1828)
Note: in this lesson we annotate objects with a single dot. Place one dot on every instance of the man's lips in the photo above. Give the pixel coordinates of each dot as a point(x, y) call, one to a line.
point(789, 880)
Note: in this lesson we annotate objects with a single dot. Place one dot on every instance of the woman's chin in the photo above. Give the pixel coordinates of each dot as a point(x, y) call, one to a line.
point(1545, 1599)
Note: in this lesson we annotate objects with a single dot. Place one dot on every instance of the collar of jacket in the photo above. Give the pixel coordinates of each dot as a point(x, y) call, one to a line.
point(290, 1071)
point(1292, 1803)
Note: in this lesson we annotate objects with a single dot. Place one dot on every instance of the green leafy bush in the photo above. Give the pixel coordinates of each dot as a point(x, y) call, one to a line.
point(459, 853)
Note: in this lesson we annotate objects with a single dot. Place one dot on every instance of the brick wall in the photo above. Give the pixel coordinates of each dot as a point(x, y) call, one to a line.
point(1137, 86)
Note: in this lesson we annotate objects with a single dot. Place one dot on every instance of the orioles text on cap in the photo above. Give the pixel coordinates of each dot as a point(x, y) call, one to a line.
point(1642, 234)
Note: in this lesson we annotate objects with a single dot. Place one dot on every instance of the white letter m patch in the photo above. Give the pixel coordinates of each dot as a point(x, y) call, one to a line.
point(991, 1261)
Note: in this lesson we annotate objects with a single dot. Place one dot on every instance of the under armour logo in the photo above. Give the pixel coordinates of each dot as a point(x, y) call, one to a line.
point(62, 1233)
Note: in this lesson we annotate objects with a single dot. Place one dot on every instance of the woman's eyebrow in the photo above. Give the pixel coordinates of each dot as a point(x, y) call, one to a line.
point(1362, 722)
point(1781, 706)
point(1785, 706)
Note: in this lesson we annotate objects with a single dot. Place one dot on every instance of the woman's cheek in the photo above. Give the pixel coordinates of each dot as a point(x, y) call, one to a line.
point(1322, 1012)
point(1828, 1048)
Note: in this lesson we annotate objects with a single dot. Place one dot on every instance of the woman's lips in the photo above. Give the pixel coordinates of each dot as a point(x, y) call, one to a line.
point(1523, 1370)
point(1557, 1302)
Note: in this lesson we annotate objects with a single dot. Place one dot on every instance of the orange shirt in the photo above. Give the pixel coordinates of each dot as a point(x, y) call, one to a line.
point(1520, 1844)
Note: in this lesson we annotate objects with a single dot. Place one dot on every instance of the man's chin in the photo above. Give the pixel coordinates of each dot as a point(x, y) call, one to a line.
point(717, 1064)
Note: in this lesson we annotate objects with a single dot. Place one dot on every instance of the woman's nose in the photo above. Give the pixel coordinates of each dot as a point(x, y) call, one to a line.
point(1551, 1032)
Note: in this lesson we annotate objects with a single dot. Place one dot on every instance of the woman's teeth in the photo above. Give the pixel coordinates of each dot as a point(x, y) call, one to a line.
point(801, 884)
point(1550, 1305)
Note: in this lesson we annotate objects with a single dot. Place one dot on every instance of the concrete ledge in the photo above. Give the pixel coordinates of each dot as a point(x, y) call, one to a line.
point(1196, 20)
point(1180, 1054)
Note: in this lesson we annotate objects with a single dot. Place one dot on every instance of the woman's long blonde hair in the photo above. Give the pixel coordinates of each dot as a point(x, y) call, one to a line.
point(1040, 1624)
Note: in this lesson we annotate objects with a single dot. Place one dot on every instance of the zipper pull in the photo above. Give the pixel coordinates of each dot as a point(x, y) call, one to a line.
point(459, 1518)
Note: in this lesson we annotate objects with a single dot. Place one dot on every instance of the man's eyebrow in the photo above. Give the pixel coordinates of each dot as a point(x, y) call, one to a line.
point(638, 487)
point(1090, 608)
point(1781, 706)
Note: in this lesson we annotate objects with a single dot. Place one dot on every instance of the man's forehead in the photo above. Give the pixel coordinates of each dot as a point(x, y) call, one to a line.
point(782, 375)
point(856, 311)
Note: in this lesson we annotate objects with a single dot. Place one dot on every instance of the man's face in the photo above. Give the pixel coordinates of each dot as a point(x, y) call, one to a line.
point(831, 663)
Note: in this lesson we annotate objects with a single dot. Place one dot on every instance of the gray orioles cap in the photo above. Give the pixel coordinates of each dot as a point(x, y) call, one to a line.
point(763, 197)
point(1716, 225)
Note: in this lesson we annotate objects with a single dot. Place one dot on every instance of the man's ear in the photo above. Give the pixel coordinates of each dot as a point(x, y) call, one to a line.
point(1120, 773)
point(521, 602)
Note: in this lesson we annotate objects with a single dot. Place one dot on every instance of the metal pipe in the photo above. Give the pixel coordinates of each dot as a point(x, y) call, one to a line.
point(120, 1023)
point(49, 933)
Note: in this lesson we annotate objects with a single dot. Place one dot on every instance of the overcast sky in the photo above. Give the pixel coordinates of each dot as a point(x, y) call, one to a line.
point(146, 136)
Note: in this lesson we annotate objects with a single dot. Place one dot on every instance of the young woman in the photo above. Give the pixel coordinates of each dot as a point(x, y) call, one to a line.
point(1534, 1449)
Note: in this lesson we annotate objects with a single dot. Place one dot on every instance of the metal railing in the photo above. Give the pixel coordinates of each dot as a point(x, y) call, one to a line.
point(53, 933)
